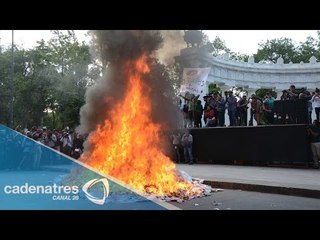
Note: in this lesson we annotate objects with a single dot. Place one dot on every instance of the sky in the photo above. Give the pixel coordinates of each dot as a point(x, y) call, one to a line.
point(246, 41)
point(29, 38)
point(242, 41)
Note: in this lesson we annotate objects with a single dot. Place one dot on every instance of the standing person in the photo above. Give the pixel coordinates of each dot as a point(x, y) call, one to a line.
point(310, 107)
point(198, 114)
point(285, 95)
point(221, 108)
point(256, 106)
point(185, 114)
point(210, 117)
point(67, 144)
point(314, 137)
point(316, 100)
point(243, 110)
point(292, 93)
point(206, 104)
point(186, 142)
point(268, 107)
point(77, 145)
point(232, 107)
point(176, 145)
point(191, 107)
point(251, 112)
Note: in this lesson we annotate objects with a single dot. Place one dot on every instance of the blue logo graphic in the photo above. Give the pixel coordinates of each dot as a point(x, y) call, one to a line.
point(36, 177)
point(89, 184)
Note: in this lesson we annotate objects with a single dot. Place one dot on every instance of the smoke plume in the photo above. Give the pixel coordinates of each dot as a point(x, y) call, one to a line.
point(116, 48)
point(172, 43)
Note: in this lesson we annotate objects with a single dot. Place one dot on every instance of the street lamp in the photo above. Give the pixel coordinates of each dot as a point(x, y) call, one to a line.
point(11, 82)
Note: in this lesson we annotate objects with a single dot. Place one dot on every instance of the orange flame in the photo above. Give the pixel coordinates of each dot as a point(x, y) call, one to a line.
point(127, 146)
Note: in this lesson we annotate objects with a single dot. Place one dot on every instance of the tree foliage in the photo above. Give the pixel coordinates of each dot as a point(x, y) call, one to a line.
point(308, 49)
point(213, 88)
point(271, 50)
point(261, 93)
point(239, 57)
point(219, 47)
point(50, 81)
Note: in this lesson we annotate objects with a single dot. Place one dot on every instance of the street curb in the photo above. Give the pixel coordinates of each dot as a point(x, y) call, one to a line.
point(300, 192)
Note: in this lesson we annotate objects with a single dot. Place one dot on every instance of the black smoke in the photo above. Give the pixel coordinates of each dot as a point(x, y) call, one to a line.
point(115, 48)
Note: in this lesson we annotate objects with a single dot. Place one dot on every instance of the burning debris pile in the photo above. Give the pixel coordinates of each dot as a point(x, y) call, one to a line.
point(127, 114)
point(197, 189)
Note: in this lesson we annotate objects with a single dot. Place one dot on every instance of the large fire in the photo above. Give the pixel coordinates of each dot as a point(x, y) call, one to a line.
point(128, 145)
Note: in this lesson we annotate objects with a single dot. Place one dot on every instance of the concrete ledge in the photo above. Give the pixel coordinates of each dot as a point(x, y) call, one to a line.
point(265, 189)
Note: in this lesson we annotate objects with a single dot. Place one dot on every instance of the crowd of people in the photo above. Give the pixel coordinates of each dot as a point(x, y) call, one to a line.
point(213, 111)
point(66, 141)
point(182, 143)
point(28, 149)
point(242, 110)
point(213, 114)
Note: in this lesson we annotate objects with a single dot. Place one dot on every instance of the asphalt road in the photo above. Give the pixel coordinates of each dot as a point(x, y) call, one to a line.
point(223, 200)
point(244, 200)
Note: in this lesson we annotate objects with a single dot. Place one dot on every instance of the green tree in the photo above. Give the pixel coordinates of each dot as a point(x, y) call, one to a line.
point(308, 49)
point(37, 87)
point(212, 88)
point(18, 81)
point(219, 47)
point(5, 78)
point(77, 70)
point(50, 81)
point(262, 92)
point(271, 50)
point(239, 57)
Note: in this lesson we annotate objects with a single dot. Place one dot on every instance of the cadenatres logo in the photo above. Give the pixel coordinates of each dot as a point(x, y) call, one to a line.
point(89, 184)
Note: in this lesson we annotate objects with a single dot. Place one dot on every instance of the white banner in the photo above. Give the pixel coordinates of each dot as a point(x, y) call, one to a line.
point(193, 80)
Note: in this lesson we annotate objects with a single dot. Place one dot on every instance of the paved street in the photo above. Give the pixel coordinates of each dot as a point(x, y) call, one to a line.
point(244, 200)
point(233, 198)
point(268, 176)
point(269, 180)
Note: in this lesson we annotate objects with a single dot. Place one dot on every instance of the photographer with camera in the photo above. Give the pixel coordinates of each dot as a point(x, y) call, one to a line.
point(292, 93)
point(67, 143)
point(285, 95)
point(50, 140)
